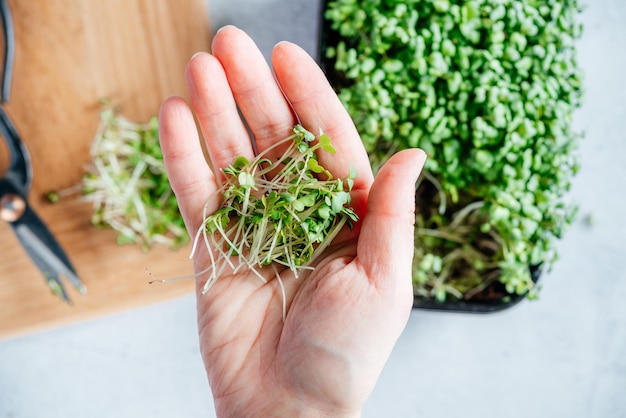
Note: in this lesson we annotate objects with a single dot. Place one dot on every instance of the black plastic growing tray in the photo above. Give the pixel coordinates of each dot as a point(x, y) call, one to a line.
point(494, 298)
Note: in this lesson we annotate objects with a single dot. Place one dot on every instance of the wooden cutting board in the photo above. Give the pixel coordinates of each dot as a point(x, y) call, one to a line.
point(69, 55)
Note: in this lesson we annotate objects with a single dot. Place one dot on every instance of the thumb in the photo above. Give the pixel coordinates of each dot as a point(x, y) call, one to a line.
point(386, 242)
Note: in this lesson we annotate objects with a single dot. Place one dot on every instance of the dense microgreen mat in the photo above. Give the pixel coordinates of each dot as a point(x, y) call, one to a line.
point(487, 88)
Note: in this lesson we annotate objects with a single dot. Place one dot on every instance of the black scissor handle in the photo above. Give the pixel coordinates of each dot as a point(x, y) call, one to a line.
point(9, 50)
point(20, 170)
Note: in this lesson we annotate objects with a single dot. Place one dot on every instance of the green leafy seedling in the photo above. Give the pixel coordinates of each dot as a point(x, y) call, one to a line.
point(280, 213)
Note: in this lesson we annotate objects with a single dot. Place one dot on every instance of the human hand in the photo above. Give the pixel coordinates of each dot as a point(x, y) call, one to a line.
point(344, 317)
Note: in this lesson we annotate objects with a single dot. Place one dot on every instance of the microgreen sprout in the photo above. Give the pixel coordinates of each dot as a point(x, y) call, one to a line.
point(281, 212)
point(128, 186)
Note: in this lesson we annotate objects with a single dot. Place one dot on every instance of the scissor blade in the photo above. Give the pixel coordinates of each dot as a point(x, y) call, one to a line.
point(43, 248)
point(52, 278)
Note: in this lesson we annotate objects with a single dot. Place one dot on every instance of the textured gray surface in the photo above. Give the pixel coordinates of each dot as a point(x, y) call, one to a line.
point(563, 356)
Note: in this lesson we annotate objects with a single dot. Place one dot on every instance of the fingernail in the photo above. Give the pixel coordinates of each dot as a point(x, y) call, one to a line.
point(196, 54)
point(225, 27)
point(283, 43)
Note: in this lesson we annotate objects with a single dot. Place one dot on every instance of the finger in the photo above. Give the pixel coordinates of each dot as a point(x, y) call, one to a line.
point(263, 105)
point(318, 107)
point(190, 177)
point(386, 243)
point(224, 133)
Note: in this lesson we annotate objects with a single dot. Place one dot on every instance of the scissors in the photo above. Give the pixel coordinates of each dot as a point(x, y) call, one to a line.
point(32, 233)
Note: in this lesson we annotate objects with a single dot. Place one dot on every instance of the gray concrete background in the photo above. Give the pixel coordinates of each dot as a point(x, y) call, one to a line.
point(563, 356)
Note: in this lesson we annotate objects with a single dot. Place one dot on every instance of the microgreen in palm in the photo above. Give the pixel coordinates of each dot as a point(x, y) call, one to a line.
point(281, 212)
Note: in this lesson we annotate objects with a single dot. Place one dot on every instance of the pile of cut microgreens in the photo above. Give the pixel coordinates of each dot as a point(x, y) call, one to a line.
point(487, 88)
point(281, 212)
point(128, 186)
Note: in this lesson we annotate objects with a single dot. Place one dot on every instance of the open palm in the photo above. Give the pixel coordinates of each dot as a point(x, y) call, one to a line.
point(344, 317)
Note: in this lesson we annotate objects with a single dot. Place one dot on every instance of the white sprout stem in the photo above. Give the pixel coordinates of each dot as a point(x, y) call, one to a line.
point(274, 146)
point(268, 258)
point(463, 213)
point(282, 293)
point(442, 195)
point(195, 242)
point(327, 241)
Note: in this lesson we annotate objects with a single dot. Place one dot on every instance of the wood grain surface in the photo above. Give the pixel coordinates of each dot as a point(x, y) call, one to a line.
point(70, 54)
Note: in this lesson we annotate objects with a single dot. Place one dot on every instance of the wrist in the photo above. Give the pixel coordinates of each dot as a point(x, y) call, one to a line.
point(286, 408)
